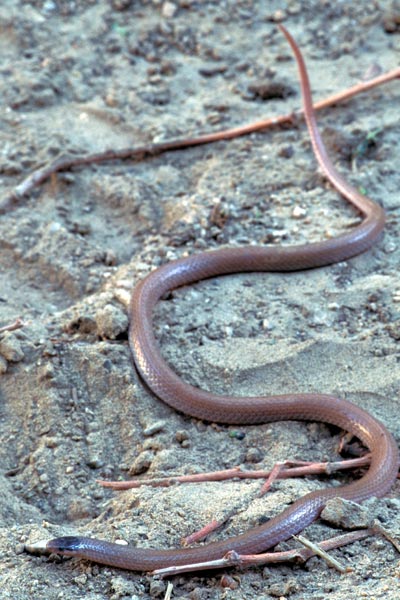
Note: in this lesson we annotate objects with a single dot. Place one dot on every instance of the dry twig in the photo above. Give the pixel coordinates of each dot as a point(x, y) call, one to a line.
point(319, 551)
point(17, 324)
point(284, 472)
point(64, 163)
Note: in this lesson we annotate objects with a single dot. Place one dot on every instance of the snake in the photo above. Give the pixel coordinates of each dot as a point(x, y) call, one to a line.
point(190, 400)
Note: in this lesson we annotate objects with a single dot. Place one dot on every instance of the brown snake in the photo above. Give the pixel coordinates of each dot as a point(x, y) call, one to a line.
point(249, 410)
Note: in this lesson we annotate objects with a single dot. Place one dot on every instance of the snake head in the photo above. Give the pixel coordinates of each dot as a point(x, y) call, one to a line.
point(67, 546)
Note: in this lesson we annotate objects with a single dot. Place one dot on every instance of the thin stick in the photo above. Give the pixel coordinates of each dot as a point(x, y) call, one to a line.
point(17, 324)
point(377, 527)
point(236, 473)
point(202, 533)
point(168, 593)
point(142, 152)
point(273, 476)
point(316, 548)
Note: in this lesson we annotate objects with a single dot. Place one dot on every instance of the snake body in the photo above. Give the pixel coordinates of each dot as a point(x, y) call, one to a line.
point(250, 410)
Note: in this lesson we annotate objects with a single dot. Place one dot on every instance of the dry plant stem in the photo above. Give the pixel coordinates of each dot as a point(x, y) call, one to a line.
point(298, 555)
point(318, 551)
point(202, 533)
point(17, 324)
point(237, 473)
point(168, 593)
point(378, 528)
point(142, 152)
point(273, 476)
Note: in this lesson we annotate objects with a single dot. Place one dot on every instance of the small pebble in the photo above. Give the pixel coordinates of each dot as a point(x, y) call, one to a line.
point(110, 258)
point(320, 317)
point(157, 588)
point(48, 348)
point(81, 579)
point(394, 503)
point(286, 152)
point(229, 582)
point(282, 589)
point(51, 442)
point(46, 372)
point(124, 588)
point(49, 6)
point(267, 325)
point(394, 329)
point(278, 16)
point(141, 463)
point(298, 212)
point(153, 428)
point(95, 462)
point(169, 10)
point(389, 247)
point(19, 548)
point(181, 436)
point(10, 348)
point(253, 455)
point(111, 321)
point(237, 434)
point(55, 227)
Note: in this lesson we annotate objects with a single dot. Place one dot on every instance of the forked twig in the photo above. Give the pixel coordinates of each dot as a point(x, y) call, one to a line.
point(64, 163)
point(286, 471)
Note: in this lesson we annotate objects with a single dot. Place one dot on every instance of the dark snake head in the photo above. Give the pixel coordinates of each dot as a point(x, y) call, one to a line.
point(67, 546)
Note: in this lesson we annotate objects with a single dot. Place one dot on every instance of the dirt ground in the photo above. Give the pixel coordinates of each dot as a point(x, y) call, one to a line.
point(82, 76)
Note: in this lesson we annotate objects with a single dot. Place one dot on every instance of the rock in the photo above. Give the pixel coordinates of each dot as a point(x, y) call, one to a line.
point(346, 514)
point(111, 321)
point(10, 348)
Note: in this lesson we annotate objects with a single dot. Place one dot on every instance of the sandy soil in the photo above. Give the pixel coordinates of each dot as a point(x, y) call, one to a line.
point(84, 76)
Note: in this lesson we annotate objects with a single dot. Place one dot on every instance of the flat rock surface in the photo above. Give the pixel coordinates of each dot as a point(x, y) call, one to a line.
point(83, 76)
